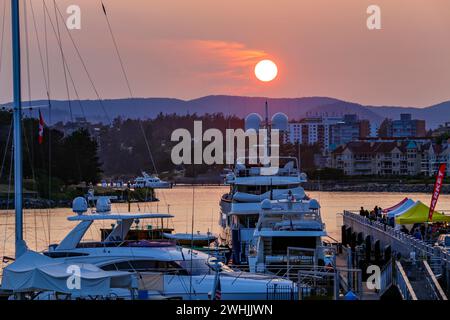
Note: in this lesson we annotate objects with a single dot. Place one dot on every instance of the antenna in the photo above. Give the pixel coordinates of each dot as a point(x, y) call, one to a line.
point(267, 115)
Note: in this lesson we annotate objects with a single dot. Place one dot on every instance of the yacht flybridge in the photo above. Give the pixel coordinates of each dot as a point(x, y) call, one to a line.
point(288, 232)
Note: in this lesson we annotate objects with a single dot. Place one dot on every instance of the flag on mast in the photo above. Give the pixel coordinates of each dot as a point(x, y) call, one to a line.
point(437, 189)
point(41, 128)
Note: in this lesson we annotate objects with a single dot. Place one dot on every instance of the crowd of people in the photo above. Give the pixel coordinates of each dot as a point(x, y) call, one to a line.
point(421, 231)
point(376, 214)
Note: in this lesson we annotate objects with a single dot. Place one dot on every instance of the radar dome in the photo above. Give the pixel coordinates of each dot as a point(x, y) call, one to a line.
point(266, 204)
point(280, 121)
point(314, 204)
point(303, 176)
point(79, 205)
point(103, 205)
point(253, 121)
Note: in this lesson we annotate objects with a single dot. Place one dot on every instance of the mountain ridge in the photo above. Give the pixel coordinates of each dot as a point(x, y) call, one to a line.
point(295, 108)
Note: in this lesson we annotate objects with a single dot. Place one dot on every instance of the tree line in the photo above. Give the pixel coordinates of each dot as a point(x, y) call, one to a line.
point(63, 158)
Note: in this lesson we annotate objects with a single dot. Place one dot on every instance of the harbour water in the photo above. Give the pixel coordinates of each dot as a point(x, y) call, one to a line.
point(42, 227)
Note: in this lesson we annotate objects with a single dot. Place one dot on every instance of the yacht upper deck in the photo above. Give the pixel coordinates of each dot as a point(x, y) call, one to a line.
point(250, 167)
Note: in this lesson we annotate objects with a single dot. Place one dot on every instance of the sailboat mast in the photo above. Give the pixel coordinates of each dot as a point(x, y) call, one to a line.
point(17, 105)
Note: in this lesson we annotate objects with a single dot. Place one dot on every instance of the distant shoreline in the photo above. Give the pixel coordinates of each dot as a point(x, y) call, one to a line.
point(308, 186)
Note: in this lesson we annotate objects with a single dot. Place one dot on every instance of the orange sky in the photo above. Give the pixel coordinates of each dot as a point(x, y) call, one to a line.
point(191, 48)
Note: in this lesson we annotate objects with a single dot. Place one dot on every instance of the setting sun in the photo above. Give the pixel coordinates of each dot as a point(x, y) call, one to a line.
point(266, 70)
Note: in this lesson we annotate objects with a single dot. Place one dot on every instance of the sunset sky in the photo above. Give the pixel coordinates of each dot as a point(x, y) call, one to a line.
point(192, 48)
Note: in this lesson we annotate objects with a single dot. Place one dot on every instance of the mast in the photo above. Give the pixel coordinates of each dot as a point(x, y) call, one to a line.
point(17, 105)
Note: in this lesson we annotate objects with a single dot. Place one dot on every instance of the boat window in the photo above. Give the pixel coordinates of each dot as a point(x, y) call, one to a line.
point(167, 267)
point(109, 267)
point(124, 266)
point(144, 265)
point(59, 254)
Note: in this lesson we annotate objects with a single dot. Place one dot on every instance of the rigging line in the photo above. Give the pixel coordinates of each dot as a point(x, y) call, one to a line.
point(47, 89)
point(46, 50)
point(124, 73)
point(3, 34)
point(39, 49)
point(31, 150)
point(6, 148)
point(49, 119)
point(100, 100)
point(63, 61)
point(7, 202)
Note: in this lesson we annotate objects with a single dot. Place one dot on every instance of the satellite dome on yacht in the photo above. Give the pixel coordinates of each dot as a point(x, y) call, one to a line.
point(103, 205)
point(314, 204)
point(79, 205)
point(280, 121)
point(266, 204)
point(253, 121)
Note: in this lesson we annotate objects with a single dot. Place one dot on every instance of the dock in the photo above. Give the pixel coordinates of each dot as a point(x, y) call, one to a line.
point(418, 270)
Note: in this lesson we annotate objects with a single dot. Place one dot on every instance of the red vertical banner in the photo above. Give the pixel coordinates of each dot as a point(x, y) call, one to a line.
point(41, 128)
point(437, 189)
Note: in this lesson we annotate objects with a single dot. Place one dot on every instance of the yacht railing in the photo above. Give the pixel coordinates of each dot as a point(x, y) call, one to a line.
point(253, 166)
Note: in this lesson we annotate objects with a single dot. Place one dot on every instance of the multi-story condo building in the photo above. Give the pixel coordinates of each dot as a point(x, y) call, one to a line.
point(312, 131)
point(349, 129)
point(378, 158)
point(327, 131)
point(404, 127)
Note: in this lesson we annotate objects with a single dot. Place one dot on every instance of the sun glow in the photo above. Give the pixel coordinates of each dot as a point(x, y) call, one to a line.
point(266, 70)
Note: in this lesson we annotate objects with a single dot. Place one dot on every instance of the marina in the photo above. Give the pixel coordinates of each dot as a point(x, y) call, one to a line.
point(333, 205)
point(257, 234)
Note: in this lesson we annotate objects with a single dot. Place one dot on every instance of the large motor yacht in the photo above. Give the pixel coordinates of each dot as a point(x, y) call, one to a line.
point(240, 207)
point(288, 234)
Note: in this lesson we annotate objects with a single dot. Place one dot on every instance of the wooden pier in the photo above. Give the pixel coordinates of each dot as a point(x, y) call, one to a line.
point(418, 270)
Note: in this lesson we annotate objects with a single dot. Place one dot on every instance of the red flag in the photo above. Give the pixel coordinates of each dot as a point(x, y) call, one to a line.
point(41, 128)
point(437, 189)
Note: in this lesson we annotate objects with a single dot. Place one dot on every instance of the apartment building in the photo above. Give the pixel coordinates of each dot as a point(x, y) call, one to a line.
point(403, 127)
point(327, 131)
point(378, 158)
point(312, 131)
point(349, 129)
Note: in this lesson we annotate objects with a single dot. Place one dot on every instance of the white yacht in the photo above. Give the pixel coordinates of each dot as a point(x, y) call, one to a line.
point(164, 270)
point(288, 233)
point(240, 207)
point(148, 181)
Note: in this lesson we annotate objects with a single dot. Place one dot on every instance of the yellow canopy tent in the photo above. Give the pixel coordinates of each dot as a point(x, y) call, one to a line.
point(418, 213)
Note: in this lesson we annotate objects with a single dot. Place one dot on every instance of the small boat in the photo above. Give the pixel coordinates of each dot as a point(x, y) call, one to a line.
point(188, 239)
point(148, 181)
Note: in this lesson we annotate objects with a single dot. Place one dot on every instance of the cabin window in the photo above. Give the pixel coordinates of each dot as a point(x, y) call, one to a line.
point(167, 267)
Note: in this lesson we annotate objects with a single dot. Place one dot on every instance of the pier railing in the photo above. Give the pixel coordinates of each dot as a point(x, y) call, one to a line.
point(400, 242)
point(438, 259)
point(403, 284)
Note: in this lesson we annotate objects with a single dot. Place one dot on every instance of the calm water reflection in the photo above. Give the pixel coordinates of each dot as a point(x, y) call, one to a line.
point(179, 202)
